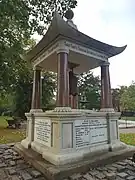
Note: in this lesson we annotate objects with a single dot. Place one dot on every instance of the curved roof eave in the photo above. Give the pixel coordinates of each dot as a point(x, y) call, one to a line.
point(115, 50)
point(59, 27)
point(110, 51)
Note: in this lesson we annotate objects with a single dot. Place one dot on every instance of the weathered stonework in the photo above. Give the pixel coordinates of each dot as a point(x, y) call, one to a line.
point(65, 136)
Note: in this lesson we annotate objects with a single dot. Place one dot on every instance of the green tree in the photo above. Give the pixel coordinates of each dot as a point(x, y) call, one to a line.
point(22, 87)
point(6, 102)
point(89, 91)
point(15, 83)
point(23, 92)
point(19, 19)
point(128, 98)
point(116, 99)
point(48, 90)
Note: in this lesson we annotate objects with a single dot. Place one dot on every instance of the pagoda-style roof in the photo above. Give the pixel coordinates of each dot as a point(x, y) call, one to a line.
point(60, 29)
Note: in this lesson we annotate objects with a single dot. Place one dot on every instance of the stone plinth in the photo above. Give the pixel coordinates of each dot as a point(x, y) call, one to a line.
point(69, 171)
point(65, 136)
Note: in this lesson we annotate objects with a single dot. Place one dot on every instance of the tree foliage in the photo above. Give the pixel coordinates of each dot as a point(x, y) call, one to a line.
point(19, 19)
point(116, 95)
point(128, 98)
point(23, 92)
point(89, 91)
point(48, 89)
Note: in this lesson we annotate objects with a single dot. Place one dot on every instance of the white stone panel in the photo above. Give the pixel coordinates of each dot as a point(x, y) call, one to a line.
point(98, 131)
point(55, 134)
point(42, 131)
point(114, 135)
point(89, 132)
point(67, 135)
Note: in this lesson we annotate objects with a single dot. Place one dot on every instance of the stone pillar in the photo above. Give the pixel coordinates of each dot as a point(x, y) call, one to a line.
point(62, 79)
point(36, 94)
point(35, 107)
point(106, 97)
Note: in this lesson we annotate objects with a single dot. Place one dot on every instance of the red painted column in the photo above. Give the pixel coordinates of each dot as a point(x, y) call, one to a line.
point(70, 100)
point(62, 80)
point(73, 90)
point(75, 102)
point(36, 94)
point(106, 97)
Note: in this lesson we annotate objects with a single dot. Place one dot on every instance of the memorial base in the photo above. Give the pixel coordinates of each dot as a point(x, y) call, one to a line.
point(110, 110)
point(77, 156)
point(65, 136)
point(26, 143)
point(36, 110)
point(54, 172)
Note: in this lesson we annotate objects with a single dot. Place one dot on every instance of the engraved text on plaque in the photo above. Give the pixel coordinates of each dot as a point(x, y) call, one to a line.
point(42, 132)
point(90, 132)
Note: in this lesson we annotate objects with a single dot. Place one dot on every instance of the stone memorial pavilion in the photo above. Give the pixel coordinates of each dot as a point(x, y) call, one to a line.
point(66, 134)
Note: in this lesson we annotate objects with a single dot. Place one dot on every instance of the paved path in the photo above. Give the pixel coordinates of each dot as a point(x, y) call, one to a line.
point(124, 124)
point(127, 130)
point(118, 171)
point(13, 167)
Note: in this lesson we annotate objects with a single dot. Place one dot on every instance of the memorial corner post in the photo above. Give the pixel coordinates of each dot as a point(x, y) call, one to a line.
point(35, 107)
point(107, 106)
point(36, 92)
point(36, 99)
point(62, 79)
point(106, 96)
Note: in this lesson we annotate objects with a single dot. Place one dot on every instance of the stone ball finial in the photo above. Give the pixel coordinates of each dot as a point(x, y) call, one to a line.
point(69, 14)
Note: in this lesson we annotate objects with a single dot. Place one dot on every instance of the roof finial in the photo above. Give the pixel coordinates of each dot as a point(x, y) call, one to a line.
point(69, 16)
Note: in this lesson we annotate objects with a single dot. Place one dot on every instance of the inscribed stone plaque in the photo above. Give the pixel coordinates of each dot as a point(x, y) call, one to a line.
point(42, 132)
point(98, 130)
point(90, 132)
point(82, 131)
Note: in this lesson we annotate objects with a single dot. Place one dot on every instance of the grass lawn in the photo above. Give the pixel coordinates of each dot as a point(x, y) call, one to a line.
point(128, 118)
point(3, 123)
point(128, 138)
point(9, 135)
